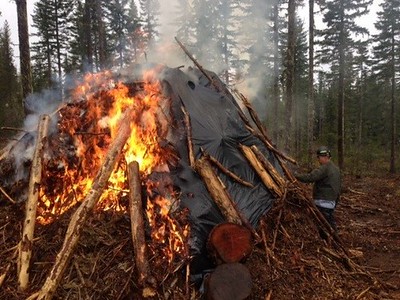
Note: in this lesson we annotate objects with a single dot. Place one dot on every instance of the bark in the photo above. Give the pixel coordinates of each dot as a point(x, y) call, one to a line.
point(189, 137)
point(24, 56)
point(265, 177)
point(79, 218)
point(137, 223)
point(35, 179)
point(279, 180)
point(393, 107)
point(229, 243)
point(310, 109)
point(290, 73)
point(340, 104)
point(217, 191)
point(277, 62)
point(229, 281)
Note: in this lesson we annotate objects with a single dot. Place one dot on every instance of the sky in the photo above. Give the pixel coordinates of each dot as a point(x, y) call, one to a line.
point(8, 10)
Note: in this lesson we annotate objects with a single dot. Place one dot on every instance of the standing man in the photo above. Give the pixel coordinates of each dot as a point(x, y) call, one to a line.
point(327, 186)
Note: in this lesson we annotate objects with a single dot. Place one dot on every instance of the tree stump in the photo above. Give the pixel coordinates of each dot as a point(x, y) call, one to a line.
point(229, 282)
point(230, 243)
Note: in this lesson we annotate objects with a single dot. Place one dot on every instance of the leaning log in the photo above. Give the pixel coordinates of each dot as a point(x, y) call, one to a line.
point(217, 191)
point(25, 247)
point(137, 224)
point(79, 218)
point(229, 281)
point(279, 180)
point(260, 170)
point(229, 243)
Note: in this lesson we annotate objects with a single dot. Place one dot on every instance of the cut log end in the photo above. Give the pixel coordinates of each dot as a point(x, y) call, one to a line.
point(229, 281)
point(230, 243)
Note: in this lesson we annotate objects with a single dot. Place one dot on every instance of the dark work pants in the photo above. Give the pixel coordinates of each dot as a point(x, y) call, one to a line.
point(329, 216)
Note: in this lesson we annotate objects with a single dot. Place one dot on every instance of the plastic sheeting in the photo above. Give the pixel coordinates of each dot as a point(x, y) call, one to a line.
point(218, 129)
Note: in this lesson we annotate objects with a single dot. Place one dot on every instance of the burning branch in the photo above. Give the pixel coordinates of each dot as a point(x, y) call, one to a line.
point(80, 216)
point(137, 224)
point(31, 204)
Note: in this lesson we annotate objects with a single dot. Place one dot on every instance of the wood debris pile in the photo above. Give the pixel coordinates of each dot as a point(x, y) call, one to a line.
point(126, 251)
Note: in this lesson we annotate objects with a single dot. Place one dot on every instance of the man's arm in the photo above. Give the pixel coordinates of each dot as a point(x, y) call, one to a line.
point(313, 176)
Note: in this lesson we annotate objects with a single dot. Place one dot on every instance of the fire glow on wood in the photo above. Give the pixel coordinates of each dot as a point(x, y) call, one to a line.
point(86, 126)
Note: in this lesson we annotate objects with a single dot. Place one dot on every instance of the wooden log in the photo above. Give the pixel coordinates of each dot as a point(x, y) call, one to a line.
point(137, 225)
point(260, 170)
point(230, 243)
point(279, 180)
point(80, 216)
point(227, 172)
point(229, 281)
point(286, 170)
point(25, 249)
point(217, 191)
point(269, 145)
point(189, 137)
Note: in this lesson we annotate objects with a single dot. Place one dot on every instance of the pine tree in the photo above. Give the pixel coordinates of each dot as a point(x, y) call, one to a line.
point(150, 11)
point(10, 96)
point(387, 61)
point(336, 45)
point(25, 59)
point(52, 22)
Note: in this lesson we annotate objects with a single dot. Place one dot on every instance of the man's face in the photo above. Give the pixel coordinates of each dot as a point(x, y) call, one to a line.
point(323, 159)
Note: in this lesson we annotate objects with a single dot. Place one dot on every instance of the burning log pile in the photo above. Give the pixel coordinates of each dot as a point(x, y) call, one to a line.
point(156, 185)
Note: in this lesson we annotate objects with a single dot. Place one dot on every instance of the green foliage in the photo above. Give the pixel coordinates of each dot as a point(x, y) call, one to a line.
point(11, 110)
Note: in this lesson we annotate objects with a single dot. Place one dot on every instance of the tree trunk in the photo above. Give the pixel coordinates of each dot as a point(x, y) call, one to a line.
point(393, 107)
point(217, 191)
point(25, 251)
point(24, 52)
point(137, 222)
point(229, 243)
point(265, 177)
point(229, 281)
point(275, 101)
point(291, 43)
point(87, 25)
point(340, 104)
point(310, 109)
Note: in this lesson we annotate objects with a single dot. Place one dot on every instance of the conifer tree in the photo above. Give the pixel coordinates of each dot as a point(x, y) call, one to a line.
point(150, 11)
point(11, 109)
point(387, 62)
point(337, 42)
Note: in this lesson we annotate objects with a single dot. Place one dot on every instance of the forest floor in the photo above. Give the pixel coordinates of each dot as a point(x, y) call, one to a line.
point(294, 264)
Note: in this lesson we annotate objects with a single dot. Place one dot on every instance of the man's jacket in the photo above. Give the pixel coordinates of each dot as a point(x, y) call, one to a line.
point(327, 181)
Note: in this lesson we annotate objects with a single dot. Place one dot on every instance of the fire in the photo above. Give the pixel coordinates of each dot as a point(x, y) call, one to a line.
point(86, 127)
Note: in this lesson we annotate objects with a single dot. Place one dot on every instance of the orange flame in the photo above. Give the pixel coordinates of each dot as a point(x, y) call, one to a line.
point(87, 126)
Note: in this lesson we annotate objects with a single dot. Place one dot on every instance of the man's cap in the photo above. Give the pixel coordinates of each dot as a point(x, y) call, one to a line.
point(323, 151)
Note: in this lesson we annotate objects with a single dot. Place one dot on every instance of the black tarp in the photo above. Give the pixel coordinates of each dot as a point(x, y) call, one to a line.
point(218, 129)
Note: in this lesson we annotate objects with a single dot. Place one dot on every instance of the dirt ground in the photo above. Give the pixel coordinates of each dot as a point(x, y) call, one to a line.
point(289, 262)
point(369, 221)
